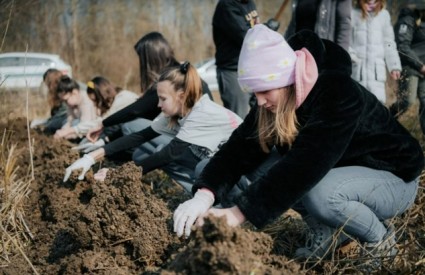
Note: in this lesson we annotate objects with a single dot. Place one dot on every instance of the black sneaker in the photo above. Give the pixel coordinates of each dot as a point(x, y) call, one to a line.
point(321, 241)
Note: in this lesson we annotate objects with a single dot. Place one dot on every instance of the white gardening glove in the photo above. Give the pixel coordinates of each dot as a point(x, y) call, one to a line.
point(187, 212)
point(37, 122)
point(87, 146)
point(85, 163)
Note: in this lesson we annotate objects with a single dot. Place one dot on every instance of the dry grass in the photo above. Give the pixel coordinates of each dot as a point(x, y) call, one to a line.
point(14, 189)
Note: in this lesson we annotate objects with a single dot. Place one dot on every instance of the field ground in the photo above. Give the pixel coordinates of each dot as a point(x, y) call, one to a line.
point(124, 226)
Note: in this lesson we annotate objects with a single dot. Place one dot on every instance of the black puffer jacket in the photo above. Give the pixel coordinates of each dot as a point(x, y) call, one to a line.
point(341, 124)
point(409, 37)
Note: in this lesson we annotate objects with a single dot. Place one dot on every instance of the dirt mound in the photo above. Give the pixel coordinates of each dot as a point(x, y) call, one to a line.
point(124, 225)
point(85, 226)
point(120, 226)
point(219, 249)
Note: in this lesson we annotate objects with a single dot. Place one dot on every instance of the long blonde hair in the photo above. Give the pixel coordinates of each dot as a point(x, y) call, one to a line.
point(280, 127)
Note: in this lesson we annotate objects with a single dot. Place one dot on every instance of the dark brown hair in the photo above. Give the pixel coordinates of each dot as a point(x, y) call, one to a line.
point(155, 53)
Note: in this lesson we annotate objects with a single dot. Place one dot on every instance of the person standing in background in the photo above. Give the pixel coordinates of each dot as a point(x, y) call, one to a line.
point(410, 38)
point(373, 47)
point(231, 20)
point(329, 19)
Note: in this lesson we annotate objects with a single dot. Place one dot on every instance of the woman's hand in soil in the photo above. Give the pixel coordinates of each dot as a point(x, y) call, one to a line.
point(187, 212)
point(85, 163)
point(233, 215)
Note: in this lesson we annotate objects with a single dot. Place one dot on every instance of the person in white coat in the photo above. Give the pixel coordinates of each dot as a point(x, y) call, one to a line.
point(373, 48)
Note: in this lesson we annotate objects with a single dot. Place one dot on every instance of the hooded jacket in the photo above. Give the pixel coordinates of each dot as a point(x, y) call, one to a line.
point(373, 50)
point(340, 124)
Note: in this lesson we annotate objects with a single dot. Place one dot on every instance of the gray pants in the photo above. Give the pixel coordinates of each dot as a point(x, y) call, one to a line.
point(359, 199)
point(231, 93)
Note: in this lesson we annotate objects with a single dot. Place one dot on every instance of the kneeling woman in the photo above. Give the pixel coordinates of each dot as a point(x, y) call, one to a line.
point(197, 125)
point(342, 160)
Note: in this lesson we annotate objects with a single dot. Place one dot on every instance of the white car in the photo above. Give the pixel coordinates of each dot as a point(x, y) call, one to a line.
point(206, 70)
point(26, 69)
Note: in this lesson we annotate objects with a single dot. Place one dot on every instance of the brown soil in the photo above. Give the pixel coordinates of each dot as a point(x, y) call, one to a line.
point(124, 225)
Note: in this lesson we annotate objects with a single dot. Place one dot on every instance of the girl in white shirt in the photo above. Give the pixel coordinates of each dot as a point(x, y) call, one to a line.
point(196, 124)
point(81, 110)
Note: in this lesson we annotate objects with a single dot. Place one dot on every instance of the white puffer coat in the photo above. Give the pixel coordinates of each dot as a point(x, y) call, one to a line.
point(372, 46)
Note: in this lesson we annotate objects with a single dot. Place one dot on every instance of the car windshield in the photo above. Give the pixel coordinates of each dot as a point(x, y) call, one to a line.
point(24, 61)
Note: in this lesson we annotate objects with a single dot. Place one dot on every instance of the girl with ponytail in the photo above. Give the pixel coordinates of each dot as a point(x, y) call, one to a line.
point(196, 125)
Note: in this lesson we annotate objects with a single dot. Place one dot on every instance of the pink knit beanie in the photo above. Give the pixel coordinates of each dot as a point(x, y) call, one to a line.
point(267, 62)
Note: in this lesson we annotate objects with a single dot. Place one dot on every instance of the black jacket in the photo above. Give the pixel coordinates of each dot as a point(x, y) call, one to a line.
point(231, 20)
point(144, 107)
point(408, 37)
point(340, 124)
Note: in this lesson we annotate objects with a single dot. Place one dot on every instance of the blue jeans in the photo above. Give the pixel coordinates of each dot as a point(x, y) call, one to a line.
point(359, 199)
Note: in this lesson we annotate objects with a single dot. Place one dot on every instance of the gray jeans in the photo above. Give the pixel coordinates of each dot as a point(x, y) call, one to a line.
point(359, 199)
point(231, 93)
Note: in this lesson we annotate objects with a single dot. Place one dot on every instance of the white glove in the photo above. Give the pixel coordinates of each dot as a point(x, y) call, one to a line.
point(37, 122)
point(86, 147)
point(85, 162)
point(187, 212)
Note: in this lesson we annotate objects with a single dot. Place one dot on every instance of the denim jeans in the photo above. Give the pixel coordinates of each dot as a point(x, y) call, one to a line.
point(359, 199)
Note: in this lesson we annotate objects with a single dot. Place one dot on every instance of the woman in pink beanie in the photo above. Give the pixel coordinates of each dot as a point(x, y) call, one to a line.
point(317, 142)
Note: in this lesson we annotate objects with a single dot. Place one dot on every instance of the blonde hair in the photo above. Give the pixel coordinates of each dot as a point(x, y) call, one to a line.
point(185, 78)
point(380, 4)
point(280, 127)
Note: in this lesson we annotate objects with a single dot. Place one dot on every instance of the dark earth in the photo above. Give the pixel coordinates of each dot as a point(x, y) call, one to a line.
point(124, 226)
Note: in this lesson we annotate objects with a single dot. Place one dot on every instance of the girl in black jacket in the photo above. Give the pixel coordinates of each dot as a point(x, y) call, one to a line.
point(342, 160)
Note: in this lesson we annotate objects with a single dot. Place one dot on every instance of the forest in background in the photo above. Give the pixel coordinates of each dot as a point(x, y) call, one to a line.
point(97, 36)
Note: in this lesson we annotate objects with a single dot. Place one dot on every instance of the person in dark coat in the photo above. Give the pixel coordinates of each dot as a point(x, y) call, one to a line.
point(338, 156)
point(231, 20)
point(330, 19)
point(410, 39)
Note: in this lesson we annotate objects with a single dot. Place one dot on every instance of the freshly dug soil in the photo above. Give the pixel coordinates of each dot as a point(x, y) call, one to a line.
point(124, 225)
